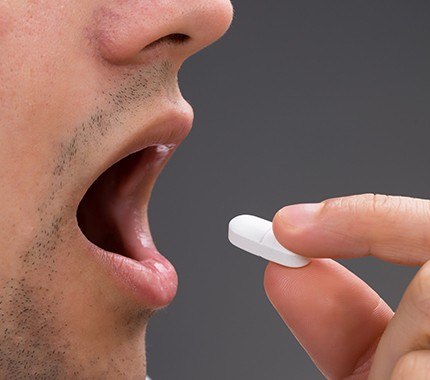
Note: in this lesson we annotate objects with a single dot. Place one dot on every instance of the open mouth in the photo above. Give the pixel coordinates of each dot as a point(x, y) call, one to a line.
point(113, 216)
point(113, 212)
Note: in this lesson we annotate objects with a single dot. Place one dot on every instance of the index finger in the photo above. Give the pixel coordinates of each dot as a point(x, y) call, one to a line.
point(395, 229)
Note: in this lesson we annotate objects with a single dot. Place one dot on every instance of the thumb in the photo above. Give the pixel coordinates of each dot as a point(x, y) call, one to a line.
point(388, 227)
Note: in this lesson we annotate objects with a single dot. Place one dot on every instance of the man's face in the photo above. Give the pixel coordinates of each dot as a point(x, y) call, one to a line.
point(84, 84)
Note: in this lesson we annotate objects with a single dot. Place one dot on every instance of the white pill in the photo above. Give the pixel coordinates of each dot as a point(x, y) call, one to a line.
point(255, 235)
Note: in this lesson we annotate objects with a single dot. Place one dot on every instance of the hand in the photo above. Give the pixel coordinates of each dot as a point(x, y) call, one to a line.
point(347, 329)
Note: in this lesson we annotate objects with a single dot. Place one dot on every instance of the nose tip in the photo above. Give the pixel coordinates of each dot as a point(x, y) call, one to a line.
point(215, 19)
point(127, 31)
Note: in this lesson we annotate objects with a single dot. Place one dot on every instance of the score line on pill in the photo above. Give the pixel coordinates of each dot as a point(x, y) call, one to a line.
point(255, 235)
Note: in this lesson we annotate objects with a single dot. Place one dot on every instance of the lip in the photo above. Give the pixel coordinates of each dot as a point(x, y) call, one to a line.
point(149, 278)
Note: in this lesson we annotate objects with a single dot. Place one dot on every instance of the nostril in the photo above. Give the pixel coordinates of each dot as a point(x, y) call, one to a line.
point(174, 39)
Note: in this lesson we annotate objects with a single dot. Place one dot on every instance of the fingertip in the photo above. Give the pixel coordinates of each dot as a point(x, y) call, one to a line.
point(271, 273)
point(314, 230)
point(284, 233)
point(272, 277)
point(280, 281)
point(294, 238)
point(300, 215)
point(326, 306)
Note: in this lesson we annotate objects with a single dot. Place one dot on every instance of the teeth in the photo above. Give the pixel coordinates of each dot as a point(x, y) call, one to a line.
point(165, 148)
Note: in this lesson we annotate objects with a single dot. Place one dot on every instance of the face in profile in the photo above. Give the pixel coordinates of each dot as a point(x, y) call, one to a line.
point(90, 113)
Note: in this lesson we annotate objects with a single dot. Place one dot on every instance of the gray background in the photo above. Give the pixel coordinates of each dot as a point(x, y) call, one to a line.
point(302, 100)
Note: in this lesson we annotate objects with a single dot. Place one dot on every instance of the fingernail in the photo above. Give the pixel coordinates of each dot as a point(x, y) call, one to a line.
point(300, 215)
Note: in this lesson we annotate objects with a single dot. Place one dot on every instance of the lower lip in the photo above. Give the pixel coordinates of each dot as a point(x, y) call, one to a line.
point(153, 282)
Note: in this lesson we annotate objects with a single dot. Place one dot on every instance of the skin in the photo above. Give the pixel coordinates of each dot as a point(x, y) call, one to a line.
point(344, 325)
point(78, 84)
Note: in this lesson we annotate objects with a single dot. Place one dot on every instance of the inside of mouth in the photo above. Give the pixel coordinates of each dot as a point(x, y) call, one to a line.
point(100, 211)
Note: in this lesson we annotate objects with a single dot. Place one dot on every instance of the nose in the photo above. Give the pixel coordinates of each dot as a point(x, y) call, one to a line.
point(126, 29)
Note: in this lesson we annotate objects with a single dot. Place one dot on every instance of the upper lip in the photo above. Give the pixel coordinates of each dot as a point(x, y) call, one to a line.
point(170, 128)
